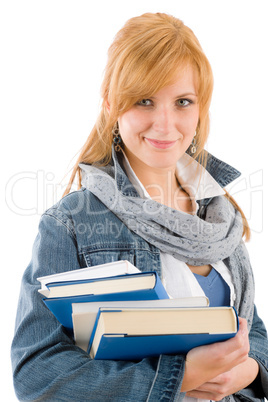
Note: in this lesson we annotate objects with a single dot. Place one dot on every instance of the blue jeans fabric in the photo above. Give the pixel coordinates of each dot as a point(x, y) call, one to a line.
point(75, 233)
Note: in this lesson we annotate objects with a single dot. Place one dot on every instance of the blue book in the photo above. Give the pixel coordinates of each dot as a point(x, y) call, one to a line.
point(138, 286)
point(134, 334)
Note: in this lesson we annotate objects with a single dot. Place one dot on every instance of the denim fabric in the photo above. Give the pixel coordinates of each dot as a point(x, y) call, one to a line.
point(77, 232)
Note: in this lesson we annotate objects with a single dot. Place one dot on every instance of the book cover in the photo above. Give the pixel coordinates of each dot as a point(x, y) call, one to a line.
point(134, 335)
point(97, 271)
point(61, 307)
point(84, 314)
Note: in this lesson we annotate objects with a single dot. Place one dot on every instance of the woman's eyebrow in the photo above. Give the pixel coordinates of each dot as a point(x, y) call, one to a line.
point(187, 94)
point(177, 96)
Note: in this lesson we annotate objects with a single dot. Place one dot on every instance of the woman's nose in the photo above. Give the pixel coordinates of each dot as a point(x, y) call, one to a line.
point(163, 120)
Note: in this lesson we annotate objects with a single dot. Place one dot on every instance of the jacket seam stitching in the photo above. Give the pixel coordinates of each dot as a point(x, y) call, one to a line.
point(61, 222)
point(155, 377)
point(112, 247)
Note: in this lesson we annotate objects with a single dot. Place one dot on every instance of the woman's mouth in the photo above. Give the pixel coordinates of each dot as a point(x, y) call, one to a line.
point(160, 144)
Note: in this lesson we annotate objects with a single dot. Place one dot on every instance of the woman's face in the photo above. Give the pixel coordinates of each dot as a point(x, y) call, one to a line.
point(157, 131)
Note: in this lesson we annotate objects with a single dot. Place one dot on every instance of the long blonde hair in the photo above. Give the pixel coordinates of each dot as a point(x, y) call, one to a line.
point(144, 57)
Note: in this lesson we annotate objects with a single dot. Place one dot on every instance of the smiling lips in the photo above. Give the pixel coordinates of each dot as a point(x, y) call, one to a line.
point(160, 144)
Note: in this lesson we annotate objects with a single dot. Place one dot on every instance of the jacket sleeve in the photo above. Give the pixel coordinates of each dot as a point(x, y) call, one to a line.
point(259, 349)
point(259, 352)
point(46, 363)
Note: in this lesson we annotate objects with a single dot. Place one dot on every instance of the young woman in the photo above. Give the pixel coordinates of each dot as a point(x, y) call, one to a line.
point(149, 193)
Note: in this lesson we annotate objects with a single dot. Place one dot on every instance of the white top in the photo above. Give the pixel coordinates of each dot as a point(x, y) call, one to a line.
point(177, 277)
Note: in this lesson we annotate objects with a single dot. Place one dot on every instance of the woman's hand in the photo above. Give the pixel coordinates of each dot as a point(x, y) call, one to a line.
point(208, 362)
point(228, 383)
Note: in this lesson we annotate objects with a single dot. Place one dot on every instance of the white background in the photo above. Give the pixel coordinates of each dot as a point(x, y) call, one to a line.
point(53, 53)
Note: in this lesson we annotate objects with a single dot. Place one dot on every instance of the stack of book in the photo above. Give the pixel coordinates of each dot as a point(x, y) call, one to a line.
point(116, 312)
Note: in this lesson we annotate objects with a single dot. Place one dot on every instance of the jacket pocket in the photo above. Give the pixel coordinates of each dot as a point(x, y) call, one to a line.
point(110, 254)
point(139, 253)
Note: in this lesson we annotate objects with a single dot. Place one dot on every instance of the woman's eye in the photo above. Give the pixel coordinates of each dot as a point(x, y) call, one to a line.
point(184, 102)
point(145, 102)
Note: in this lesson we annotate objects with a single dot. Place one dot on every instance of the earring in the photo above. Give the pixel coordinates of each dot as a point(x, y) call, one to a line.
point(193, 145)
point(117, 140)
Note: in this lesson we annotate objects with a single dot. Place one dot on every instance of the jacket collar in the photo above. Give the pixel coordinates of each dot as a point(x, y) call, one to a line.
point(223, 173)
point(220, 171)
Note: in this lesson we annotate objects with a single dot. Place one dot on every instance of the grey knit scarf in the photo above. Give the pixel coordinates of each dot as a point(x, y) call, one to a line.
point(186, 237)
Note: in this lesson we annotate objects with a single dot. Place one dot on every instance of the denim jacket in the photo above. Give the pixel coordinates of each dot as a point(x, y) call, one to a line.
point(79, 231)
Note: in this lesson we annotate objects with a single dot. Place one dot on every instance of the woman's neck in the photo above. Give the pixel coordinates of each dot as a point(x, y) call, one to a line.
point(163, 186)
